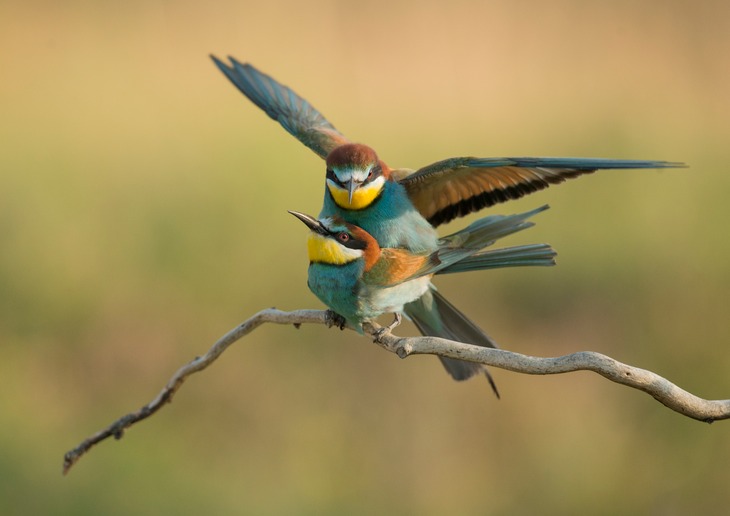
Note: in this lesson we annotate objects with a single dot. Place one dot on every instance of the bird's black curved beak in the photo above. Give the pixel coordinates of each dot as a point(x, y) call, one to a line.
point(312, 223)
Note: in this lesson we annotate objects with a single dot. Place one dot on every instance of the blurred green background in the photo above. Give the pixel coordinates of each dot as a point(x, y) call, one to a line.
point(143, 214)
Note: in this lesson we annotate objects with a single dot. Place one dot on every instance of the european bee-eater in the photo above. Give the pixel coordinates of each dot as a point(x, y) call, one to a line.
point(401, 207)
point(359, 279)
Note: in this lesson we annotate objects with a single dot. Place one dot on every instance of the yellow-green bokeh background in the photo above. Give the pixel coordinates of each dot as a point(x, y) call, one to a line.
point(142, 215)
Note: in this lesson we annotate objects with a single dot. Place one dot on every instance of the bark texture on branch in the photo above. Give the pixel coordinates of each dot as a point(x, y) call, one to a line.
point(661, 389)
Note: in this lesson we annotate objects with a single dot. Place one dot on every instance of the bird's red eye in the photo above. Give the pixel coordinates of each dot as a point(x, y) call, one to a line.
point(344, 237)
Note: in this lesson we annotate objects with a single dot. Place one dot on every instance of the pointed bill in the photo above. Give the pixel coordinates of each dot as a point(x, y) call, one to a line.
point(310, 222)
point(351, 187)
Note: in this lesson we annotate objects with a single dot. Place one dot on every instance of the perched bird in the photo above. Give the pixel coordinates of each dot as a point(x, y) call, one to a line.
point(401, 207)
point(359, 280)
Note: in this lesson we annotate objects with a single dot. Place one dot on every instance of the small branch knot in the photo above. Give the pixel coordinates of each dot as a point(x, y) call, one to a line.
point(402, 348)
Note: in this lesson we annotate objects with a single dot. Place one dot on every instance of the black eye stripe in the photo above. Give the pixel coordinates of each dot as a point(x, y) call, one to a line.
point(351, 242)
point(354, 243)
point(374, 173)
point(331, 175)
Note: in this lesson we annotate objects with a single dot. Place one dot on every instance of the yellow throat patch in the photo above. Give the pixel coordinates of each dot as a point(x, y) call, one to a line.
point(325, 250)
point(361, 198)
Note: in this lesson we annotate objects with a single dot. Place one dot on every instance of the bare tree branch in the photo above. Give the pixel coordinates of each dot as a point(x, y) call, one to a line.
point(651, 383)
point(661, 389)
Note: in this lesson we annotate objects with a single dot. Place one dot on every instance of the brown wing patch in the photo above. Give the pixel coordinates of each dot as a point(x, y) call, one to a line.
point(463, 190)
point(398, 265)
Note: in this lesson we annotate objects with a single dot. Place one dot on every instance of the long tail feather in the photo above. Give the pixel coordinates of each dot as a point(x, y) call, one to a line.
point(538, 255)
point(434, 316)
point(471, 240)
point(485, 231)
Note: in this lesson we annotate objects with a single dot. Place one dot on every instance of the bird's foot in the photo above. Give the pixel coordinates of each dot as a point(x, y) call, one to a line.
point(335, 319)
point(378, 334)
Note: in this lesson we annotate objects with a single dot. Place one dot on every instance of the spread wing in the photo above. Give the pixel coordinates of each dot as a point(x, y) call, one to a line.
point(458, 186)
point(294, 113)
